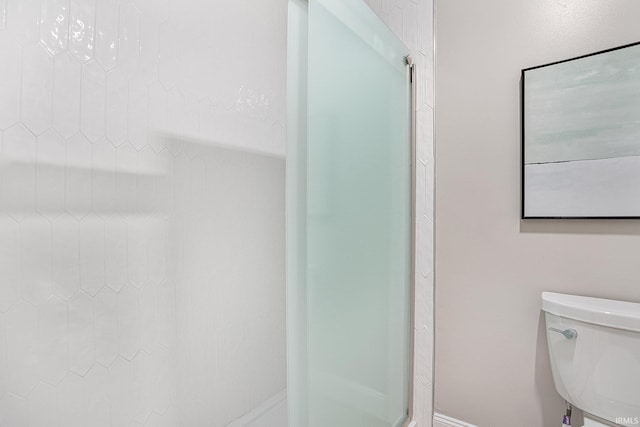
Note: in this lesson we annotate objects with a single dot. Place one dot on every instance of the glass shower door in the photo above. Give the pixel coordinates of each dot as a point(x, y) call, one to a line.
point(349, 218)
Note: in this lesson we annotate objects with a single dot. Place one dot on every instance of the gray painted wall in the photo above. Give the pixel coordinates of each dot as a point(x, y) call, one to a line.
point(491, 355)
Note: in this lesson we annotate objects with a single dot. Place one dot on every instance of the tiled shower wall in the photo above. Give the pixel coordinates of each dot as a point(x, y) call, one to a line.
point(136, 279)
point(412, 22)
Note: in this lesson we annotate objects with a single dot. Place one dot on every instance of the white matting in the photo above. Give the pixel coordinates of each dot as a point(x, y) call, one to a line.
point(606, 187)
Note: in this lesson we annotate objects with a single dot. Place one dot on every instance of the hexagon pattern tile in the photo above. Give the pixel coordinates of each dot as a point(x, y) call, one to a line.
point(92, 254)
point(96, 397)
point(129, 38)
point(22, 21)
point(50, 179)
point(70, 392)
point(106, 326)
point(106, 279)
point(128, 322)
point(93, 101)
point(116, 253)
point(66, 94)
point(167, 55)
point(78, 191)
point(13, 411)
point(81, 330)
point(103, 179)
point(107, 13)
point(53, 341)
point(116, 119)
point(42, 405)
point(9, 263)
point(37, 88)
point(122, 391)
point(21, 324)
point(19, 181)
point(10, 71)
point(54, 25)
point(35, 259)
point(82, 32)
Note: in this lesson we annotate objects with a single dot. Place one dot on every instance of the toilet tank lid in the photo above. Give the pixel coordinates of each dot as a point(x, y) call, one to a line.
point(604, 312)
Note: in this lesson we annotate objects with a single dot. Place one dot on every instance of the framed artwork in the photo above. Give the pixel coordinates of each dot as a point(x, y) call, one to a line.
point(581, 136)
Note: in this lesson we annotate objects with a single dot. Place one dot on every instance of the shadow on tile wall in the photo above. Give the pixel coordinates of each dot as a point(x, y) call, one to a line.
point(141, 275)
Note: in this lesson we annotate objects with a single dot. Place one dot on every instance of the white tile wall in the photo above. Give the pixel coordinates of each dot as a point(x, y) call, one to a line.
point(141, 277)
point(88, 310)
point(412, 22)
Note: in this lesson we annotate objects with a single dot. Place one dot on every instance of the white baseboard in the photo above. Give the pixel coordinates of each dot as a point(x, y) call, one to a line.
point(261, 411)
point(440, 420)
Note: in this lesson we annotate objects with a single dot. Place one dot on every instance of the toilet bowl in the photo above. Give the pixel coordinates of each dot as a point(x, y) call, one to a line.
point(594, 349)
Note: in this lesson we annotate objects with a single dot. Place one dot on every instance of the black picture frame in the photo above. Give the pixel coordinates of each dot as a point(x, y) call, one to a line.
point(523, 73)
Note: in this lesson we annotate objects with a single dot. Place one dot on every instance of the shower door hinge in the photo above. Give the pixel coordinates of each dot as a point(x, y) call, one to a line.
point(407, 60)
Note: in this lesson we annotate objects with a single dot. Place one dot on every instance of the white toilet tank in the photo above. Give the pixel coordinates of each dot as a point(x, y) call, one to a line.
point(594, 348)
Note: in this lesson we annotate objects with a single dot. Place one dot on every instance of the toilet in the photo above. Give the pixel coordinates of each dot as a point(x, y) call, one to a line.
point(594, 349)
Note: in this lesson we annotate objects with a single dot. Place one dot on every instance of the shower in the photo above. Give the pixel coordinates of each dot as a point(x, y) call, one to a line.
point(215, 213)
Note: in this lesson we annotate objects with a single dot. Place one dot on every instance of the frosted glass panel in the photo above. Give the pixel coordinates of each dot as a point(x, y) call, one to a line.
point(350, 360)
